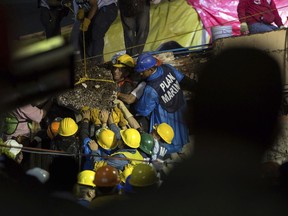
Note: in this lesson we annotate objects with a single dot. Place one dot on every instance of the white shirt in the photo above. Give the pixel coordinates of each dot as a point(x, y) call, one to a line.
point(138, 91)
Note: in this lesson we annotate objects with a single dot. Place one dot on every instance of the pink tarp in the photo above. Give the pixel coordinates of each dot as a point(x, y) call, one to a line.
point(224, 12)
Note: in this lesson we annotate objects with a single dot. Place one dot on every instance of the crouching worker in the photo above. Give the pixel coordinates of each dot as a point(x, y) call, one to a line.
point(85, 188)
point(127, 153)
point(142, 180)
point(67, 139)
point(163, 135)
point(107, 181)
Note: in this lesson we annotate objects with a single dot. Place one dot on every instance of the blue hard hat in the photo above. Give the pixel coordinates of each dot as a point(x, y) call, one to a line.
point(144, 62)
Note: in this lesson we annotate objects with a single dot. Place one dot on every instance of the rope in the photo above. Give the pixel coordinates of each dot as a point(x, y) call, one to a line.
point(84, 54)
point(84, 79)
point(63, 153)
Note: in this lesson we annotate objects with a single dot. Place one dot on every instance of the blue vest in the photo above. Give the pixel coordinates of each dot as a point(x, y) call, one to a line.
point(171, 97)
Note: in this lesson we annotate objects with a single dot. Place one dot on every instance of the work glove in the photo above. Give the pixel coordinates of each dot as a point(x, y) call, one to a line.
point(95, 116)
point(66, 3)
point(122, 122)
point(282, 27)
point(162, 152)
point(123, 108)
point(85, 25)
point(80, 14)
point(127, 114)
point(244, 28)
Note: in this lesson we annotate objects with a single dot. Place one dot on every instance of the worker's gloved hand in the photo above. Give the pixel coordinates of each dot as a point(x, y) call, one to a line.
point(86, 114)
point(80, 14)
point(244, 28)
point(85, 25)
point(282, 27)
point(66, 3)
point(95, 116)
point(162, 152)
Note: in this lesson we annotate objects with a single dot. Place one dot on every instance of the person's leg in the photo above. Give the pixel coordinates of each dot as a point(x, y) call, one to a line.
point(103, 20)
point(50, 21)
point(142, 30)
point(129, 30)
point(260, 28)
point(75, 32)
point(75, 36)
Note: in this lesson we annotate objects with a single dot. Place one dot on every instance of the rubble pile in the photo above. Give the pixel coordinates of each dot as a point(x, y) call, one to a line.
point(190, 64)
point(94, 88)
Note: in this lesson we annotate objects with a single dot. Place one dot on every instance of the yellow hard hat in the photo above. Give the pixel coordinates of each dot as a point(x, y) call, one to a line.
point(131, 137)
point(143, 175)
point(165, 131)
point(86, 177)
point(68, 127)
point(106, 139)
point(124, 61)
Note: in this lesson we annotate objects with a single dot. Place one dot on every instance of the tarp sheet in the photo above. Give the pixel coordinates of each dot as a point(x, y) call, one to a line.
point(170, 20)
point(224, 12)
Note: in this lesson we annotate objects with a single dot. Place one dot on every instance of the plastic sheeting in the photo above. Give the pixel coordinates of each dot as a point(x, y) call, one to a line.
point(224, 12)
point(170, 20)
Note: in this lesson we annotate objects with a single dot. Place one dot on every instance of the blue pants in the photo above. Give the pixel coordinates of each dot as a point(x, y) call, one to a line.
point(51, 20)
point(136, 30)
point(94, 37)
point(261, 27)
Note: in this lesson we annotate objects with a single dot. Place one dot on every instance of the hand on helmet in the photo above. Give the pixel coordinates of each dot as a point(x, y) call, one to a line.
point(93, 145)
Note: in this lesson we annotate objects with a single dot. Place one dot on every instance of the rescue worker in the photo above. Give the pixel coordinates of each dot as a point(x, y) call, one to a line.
point(163, 135)
point(146, 146)
point(105, 141)
point(85, 188)
point(123, 69)
point(106, 180)
point(135, 18)
point(163, 99)
point(127, 149)
point(96, 20)
point(84, 12)
point(66, 140)
point(143, 179)
point(52, 13)
point(53, 128)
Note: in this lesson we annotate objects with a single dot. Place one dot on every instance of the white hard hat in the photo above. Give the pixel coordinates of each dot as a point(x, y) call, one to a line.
point(41, 174)
point(15, 147)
